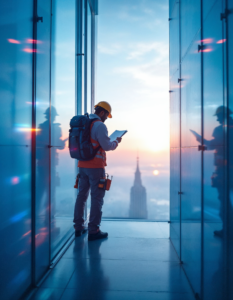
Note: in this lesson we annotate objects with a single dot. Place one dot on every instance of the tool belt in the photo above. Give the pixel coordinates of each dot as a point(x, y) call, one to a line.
point(104, 183)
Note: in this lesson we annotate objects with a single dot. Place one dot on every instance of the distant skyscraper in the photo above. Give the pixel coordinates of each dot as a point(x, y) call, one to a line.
point(138, 205)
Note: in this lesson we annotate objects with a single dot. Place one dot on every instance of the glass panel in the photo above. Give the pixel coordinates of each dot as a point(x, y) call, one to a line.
point(175, 111)
point(191, 215)
point(16, 67)
point(208, 5)
point(190, 23)
point(172, 3)
point(214, 157)
point(174, 40)
point(175, 198)
point(63, 172)
point(15, 150)
point(132, 76)
point(191, 96)
point(42, 138)
point(15, 225)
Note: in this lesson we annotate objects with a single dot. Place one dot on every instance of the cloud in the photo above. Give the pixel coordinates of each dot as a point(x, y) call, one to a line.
point(147, 74)
point(153, 72)
point(160, 50)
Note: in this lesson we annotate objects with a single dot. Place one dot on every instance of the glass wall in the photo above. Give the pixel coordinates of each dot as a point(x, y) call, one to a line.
point(174, 70)
point(16, 54)
point(42, 172)
point(38, 88)
point(214, 197)
point(205, 88)
point(62, 110)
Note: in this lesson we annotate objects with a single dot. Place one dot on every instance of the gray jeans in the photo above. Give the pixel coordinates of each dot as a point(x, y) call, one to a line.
point(89, 179)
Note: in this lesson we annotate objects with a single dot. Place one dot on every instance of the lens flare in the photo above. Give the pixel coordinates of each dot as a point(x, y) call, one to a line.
point(28, 50)
point(15, 180)
point(12, 41)
point(31, 41)
point(221, 41)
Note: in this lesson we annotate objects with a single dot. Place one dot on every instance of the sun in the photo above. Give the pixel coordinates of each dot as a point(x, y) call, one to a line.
point(156, 172)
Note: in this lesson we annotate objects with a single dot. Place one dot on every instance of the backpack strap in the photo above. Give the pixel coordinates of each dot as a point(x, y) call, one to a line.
point(93, 121)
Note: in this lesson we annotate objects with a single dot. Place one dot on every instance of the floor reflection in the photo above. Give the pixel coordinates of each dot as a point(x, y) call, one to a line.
point(94, 287)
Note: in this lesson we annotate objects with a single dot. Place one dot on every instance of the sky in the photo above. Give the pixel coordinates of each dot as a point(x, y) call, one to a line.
point(133, 76)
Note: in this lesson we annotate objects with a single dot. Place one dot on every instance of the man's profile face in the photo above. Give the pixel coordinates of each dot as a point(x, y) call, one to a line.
point(220, 118)
point(103, 116)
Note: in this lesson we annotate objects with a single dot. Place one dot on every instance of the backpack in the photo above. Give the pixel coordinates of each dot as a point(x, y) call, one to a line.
point(80, 145)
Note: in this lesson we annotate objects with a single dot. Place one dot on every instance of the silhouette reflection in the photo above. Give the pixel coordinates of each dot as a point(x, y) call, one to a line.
point(91, 282)
point(43, 162)
point(220, 162)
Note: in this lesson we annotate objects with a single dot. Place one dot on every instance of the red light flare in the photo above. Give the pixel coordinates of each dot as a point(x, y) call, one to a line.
point(40, 238)
point(21, 253)
point(207, 41)
point(27, 233)
point(206, 50)
point(28, 50)
point(43, 229)
point(12, 41)
point(31, 41)
point(221, 41)
point(29, 129)
point(15, 180)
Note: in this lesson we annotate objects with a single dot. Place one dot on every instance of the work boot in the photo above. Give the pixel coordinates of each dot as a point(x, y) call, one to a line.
point(80, 232)
point(218, 233)
point(97, 236)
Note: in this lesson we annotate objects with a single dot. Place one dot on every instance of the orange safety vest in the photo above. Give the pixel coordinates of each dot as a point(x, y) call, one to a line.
point(99, 161)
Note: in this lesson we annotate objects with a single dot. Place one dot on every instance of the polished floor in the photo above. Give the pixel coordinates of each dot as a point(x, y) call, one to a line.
point(136, 262)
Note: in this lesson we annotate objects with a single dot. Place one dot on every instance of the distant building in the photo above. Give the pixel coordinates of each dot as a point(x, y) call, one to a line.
point(138, 204)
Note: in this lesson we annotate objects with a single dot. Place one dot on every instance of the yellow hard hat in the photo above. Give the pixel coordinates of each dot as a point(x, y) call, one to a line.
point(106, 106)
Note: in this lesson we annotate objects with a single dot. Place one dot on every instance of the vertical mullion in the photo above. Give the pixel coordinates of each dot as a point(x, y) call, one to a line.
point(85, 68)
point(180, 122)
point(33, 150)
point(227, 197)
point(202, 159)
point(78, 56)
point(50, 128)
point(85, 53)
point(93, 42)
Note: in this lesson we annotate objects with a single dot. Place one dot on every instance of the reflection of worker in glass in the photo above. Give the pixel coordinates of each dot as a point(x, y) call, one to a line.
point(217, 144)
point(91, 281)
point(43, 159)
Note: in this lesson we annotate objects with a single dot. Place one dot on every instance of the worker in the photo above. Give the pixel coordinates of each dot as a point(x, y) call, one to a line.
point(91, 172)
